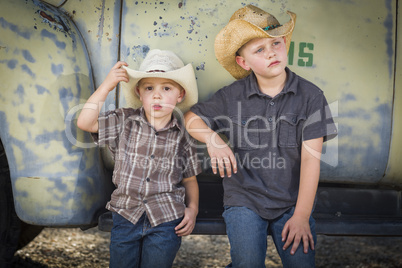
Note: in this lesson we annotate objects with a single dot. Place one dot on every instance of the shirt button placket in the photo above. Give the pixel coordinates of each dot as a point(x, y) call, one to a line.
point(271, 116)
point(147, 179)
point(271, 111)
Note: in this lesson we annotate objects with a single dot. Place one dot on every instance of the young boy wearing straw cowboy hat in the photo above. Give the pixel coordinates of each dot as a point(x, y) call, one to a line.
point(276, 123)
point(155, 202)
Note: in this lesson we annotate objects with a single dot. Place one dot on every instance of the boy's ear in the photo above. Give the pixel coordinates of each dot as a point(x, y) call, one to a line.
point(181, 96)
point(242, 63)
point(137, 91)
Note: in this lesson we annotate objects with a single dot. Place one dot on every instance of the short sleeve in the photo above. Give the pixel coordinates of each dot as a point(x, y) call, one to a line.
point(110, 126)
point(319, 122)
point(191, 162)
point(210, 109)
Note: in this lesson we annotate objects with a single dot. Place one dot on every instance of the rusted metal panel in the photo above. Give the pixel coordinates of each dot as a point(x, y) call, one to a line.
point(99, 25)
point(46, 72)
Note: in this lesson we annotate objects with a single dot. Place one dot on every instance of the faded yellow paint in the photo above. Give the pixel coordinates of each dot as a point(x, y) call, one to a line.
point(99, 24)
point(46, 197)
point(39, 196)
point(46, 73)
point(33, 116)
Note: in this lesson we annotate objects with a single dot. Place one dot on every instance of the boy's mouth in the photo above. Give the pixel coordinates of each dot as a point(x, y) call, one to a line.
point(156, 107)
point(274, 63)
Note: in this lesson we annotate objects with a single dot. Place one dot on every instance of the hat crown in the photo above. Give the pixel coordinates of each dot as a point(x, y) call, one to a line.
point(256, 16)
point(161, 61)
point(246, 24)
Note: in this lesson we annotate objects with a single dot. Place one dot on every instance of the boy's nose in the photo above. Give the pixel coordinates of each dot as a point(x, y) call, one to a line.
point(269, 53)
point(156, 94)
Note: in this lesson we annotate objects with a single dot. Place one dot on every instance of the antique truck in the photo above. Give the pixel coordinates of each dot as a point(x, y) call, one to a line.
point(55, 53)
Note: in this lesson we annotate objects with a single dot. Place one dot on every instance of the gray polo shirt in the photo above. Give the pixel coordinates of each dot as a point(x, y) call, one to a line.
point(266, 135)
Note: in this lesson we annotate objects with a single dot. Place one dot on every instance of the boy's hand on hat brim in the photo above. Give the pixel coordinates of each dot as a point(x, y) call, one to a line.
point(117, 74)
point(222, 157)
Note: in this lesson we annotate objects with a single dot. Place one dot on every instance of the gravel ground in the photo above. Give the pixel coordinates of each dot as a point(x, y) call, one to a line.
point(76, 248)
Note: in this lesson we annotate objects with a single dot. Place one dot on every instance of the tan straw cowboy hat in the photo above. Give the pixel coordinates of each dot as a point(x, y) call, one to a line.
point(246, 24)
point(162, 64)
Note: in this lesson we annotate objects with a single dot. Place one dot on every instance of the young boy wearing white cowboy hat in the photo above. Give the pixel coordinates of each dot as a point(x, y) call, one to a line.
point(267, 115)
point(155, 202)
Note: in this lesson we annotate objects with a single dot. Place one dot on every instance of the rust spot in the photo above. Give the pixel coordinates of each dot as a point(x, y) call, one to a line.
point(46, 16)
point(180, 4)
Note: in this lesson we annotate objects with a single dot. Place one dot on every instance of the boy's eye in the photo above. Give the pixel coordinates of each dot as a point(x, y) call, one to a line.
point(166, 88)
point(148, 88)
point(260, 50)
point(276, 43)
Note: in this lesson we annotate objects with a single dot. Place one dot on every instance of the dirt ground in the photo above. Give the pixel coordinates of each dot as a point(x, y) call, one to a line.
point(76, 248)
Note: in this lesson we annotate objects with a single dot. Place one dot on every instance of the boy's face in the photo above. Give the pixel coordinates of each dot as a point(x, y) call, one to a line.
point(266, 57)
point(159, 97)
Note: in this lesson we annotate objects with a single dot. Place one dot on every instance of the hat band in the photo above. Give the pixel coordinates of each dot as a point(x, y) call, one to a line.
point(156, 71)
point(271, 27)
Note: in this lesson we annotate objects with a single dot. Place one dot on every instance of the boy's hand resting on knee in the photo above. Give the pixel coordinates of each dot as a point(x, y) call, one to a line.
point(186, 226)
point(296, 230)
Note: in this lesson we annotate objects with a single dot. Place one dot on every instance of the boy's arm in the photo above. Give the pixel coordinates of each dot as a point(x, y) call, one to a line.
point(221, 155)
point(297, 228)
point(186, 226)
point(88, 118)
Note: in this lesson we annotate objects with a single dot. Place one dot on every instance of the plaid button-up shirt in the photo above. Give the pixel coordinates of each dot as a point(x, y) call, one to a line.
point(149, 165)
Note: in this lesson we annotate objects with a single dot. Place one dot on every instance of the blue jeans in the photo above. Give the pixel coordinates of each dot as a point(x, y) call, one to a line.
point(140, 245)
point(247, 233)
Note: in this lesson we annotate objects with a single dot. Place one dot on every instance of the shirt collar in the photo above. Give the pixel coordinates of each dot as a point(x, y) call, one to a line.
point(290, 85)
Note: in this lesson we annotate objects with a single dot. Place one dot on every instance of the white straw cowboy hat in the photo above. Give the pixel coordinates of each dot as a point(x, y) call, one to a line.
point(162, 64)
point(246, 24)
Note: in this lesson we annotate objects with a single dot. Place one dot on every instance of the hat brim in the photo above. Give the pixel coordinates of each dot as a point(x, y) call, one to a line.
point(184, 76)
point(237, 33)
